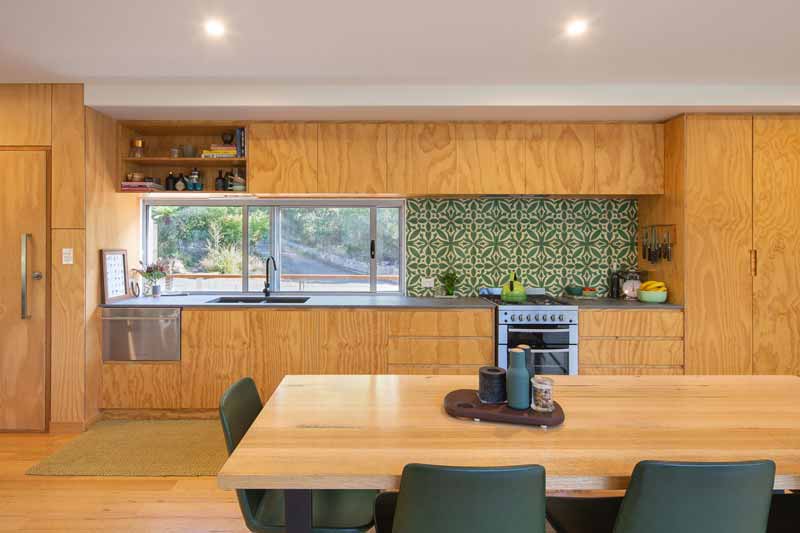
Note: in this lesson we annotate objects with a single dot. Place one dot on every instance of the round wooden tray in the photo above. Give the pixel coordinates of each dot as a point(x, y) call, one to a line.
point(464, 403)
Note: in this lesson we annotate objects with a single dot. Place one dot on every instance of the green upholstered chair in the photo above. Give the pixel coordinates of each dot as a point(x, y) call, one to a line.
point(339, 511)
point(784, 514)
point(666, 497)
point(445, 499)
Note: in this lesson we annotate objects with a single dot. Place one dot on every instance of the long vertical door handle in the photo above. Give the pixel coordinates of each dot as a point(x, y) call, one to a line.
point(24, 260)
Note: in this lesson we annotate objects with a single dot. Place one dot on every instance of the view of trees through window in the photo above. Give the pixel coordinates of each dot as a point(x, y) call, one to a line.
point(321, 248)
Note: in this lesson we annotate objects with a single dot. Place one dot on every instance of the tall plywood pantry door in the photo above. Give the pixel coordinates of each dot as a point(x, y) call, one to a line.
point(776, 225)
point(23, 219)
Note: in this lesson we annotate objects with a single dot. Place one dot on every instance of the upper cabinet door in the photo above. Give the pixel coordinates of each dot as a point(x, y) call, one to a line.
point(422, 158)
point(559, 159)
point(491, 158)
point(776, 335)
point(352, 158)
point(282, 157)
point(629, 158)
point(25, 115)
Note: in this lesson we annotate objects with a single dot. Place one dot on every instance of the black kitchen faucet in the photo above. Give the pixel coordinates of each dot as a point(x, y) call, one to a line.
point(266, 269)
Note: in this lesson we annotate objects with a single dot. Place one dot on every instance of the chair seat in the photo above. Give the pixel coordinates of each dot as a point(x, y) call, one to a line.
point(583, 515)
point(385, 505)
point(784, 513)
point(334, 510)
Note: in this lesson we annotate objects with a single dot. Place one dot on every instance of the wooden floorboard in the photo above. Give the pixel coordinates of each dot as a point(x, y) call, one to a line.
point(78, 504)
point(34, 503)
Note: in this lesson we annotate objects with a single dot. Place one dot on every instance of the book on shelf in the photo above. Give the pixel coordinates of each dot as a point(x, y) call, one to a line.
point(141, 186)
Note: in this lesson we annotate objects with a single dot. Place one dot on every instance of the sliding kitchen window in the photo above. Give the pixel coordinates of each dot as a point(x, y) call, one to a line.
point(333, 246)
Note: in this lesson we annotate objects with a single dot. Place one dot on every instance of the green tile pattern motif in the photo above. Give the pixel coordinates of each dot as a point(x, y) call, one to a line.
point(550, 243)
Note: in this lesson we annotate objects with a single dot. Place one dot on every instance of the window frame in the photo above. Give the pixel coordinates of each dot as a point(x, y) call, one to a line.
point(275, 234)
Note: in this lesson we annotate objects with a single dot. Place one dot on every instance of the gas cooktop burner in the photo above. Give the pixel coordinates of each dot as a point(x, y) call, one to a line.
point(532, 299)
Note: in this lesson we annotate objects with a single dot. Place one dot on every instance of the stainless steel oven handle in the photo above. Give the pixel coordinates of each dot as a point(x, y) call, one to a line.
point(564, 350)
point(518, 330)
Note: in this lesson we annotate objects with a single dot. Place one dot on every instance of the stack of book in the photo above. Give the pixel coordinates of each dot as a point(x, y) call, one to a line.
point(220, 151)
point(141, 186)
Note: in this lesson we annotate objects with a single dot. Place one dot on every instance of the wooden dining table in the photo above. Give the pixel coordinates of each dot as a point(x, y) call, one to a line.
point(358, 432)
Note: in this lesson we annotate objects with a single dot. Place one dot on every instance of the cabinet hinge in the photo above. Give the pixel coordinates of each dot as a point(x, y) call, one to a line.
point(754, 262)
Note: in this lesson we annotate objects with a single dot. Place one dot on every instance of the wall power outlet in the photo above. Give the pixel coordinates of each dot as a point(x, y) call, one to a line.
point(428, 283)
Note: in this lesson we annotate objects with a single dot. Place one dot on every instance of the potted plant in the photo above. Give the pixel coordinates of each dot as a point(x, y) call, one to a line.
point(449, 280)
point(152, 275)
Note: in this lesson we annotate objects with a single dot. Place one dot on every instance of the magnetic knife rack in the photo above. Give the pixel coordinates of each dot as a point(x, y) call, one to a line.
point(657, 242)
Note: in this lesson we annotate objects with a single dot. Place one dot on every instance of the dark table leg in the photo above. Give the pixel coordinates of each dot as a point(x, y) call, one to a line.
point(298, 511)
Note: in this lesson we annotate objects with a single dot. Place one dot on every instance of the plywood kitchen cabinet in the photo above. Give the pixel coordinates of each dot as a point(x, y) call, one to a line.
point(141, 385)
point(641, 341)
point(719, 237)
point(352, 158)
point(282, 157)
point(280, 342)
point(776, 222)
point(215, 352)
point(629, 158)
point(422, 158)
point(351, 341)
point(559, 159)
point(491, 158)
point(440, 342)
point(25, 115)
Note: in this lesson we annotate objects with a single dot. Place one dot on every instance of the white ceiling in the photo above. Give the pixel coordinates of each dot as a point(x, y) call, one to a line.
point(142, 57)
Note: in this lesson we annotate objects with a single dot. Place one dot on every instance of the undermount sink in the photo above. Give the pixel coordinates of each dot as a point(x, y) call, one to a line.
point(286, 299)
point(259, 300)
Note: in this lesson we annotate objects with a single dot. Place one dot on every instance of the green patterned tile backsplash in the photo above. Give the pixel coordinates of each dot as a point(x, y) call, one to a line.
point(550, 243)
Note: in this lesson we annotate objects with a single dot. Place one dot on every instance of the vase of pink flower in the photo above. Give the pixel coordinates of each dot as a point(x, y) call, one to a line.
point(152, 275)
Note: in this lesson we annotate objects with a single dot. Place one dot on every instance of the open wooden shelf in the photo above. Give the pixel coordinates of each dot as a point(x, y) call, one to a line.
point(161, 136)
point(188, 161)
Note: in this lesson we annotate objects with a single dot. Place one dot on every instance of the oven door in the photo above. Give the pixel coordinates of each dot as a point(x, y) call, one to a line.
point(553, 360)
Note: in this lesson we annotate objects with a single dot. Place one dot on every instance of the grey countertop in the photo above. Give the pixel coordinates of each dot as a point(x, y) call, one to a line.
point(354, 300)
point(614, 303)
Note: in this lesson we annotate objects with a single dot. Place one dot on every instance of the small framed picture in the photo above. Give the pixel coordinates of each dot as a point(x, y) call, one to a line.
point(115, 275)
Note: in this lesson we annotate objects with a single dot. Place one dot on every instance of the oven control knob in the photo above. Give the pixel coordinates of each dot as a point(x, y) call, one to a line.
point(528, 318)
point(536, 318)
point(561, 318)
point(553, 318)
point(521, 317)
point(544, 318)
point(511, 318)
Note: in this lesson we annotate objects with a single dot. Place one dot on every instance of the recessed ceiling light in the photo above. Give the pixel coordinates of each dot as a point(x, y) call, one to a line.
point(215, 28)
point(577, 27)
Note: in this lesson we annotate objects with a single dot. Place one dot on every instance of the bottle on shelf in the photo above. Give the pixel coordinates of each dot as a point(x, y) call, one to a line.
point(220, 184)
point(180, 183)
point(169, 183)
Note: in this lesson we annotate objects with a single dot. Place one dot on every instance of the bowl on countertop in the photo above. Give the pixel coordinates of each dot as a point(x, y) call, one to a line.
point(652, 297)
point(573, 290)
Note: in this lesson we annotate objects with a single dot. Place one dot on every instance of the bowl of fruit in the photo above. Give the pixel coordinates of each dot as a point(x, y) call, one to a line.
point(653, 292)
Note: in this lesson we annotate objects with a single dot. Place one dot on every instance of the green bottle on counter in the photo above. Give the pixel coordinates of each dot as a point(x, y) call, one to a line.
point(518, 380)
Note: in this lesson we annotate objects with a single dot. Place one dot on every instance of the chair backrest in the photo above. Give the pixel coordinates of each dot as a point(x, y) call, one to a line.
point(665, 497)
point(444, 499)
point(238, 408)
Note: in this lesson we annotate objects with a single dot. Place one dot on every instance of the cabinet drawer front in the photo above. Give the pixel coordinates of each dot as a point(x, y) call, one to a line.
point(443, 351)
point(435, 370)
point(631, 371)
point(638, 323)
point(141, 385)
point(631, 352)
point(451, 323)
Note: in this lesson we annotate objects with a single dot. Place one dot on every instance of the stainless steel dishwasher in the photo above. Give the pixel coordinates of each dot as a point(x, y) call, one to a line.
point(141, 334)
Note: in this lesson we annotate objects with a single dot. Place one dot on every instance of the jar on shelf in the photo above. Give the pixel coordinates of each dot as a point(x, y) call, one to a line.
point(137, 147)
point(542, 394)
